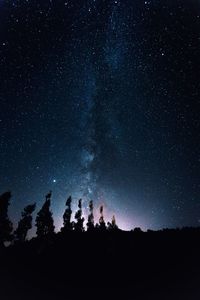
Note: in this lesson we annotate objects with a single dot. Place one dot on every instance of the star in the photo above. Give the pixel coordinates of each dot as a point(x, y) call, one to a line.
point(102, 94)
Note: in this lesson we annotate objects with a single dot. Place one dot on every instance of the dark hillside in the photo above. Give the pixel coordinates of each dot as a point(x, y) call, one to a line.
point(138, 265)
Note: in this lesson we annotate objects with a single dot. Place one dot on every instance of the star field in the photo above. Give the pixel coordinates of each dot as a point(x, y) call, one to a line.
point(99, 100)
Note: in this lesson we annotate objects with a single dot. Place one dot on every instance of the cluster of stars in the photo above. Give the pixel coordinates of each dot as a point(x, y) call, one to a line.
point(98, 100)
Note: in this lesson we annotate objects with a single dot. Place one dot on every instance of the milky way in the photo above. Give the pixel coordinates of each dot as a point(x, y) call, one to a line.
point(99, 99)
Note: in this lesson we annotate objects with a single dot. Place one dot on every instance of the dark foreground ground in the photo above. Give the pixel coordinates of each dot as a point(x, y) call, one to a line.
point(118, 265)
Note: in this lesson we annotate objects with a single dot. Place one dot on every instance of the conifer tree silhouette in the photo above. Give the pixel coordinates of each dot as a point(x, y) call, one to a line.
point(6, 226)
point(44, 220)
point(102, 224)
point(78, 225)
point(67, 224)
point(25, 223)
point(90, 223)
point(112, 226)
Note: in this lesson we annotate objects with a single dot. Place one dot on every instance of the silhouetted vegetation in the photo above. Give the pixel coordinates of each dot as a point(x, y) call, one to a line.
point(6, 226)
point(103, 255)
point(78, 225)
point(44, 220)
point(90, 223)
point(67, 224)
point(102, 225)
point(112, 226)
point(25, 223)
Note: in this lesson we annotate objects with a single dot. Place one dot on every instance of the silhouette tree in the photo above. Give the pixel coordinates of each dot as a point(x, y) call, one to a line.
point(90, 223)
point(112, 226)
point(67, 216)
point(78, 225)
point(102, 225)
point(6, 226)
point(25, 223)
point(44, 220)
point(137, 230)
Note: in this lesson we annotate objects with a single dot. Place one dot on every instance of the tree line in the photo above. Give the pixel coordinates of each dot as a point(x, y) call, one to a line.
point(44, 221)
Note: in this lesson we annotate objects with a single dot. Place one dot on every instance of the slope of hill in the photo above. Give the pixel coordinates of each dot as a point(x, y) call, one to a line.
point(137, 265)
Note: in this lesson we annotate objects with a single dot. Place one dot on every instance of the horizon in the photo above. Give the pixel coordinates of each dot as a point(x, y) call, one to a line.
point(99, 99)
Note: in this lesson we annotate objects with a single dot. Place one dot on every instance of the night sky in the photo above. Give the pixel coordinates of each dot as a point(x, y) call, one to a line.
point(99, 99)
